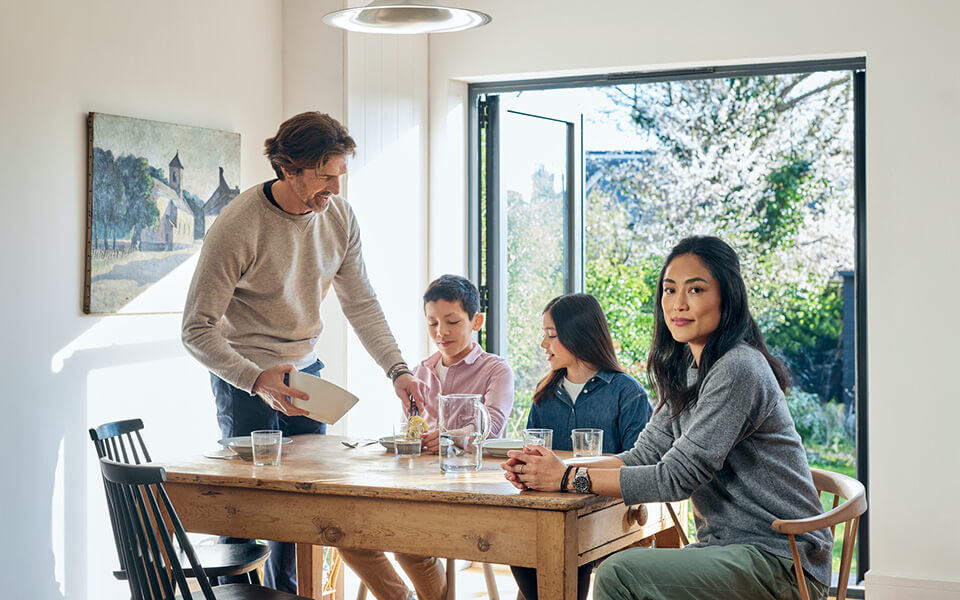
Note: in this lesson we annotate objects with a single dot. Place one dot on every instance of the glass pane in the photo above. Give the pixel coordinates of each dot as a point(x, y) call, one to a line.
point(533, 159)
point(763, 162)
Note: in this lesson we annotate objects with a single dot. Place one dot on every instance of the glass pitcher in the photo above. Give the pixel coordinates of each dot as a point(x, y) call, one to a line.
point(464, 424)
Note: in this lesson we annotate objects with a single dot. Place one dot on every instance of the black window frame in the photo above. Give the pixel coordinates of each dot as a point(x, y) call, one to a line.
point(575, 229)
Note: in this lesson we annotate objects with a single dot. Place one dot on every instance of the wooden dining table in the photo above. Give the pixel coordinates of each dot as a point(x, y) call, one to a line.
point(325, 494)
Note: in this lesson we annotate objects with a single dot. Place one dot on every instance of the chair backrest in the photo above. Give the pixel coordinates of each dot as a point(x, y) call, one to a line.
point(848, 513)
point(116, 441)
point(143, 511)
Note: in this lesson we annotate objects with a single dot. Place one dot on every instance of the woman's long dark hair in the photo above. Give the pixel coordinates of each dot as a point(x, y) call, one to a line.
point(582, 329)
point(669, 360)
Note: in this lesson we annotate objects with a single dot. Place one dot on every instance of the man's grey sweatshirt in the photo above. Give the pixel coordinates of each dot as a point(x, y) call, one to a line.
point(737, 455)
point(255, 298)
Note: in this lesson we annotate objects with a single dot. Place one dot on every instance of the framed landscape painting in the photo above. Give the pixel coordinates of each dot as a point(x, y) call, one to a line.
point(153, 190)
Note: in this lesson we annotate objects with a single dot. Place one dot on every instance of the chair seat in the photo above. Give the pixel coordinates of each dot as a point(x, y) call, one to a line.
point(223, 559)
point(246, 591)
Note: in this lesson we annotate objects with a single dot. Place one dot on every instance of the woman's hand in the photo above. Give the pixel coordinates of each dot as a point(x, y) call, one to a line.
point(511, 476)
point(534, 468)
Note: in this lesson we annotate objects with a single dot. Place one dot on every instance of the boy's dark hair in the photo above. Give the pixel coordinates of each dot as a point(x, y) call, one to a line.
point(307, 141)
point(454, 288)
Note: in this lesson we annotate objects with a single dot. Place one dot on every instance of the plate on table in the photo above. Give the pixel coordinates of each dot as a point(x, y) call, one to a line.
point(387, 442)
point(500, 447)
point(328, 402)
point(243, 445)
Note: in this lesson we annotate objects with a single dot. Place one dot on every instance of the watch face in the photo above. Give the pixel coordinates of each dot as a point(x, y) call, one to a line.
point(581, 482)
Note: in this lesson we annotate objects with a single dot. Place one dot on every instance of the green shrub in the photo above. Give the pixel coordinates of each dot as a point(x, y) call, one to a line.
point(807, 415)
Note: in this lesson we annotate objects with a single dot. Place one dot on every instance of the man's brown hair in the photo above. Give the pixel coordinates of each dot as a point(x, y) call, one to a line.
point(306, 141)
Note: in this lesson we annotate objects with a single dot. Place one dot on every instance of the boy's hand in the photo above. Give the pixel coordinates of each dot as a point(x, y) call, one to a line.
point(406, 386)
point(431, 440)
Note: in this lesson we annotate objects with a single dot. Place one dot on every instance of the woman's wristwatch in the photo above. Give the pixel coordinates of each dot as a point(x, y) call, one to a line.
point(581, 481)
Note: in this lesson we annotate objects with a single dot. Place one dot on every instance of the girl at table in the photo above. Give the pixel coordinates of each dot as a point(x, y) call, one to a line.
point(721, 435)
point(586, 388)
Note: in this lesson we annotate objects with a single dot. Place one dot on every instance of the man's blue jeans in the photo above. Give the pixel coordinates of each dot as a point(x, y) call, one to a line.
point(239, 413)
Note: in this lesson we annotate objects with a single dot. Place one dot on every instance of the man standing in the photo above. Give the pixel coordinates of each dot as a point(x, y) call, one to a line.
point(253, 310)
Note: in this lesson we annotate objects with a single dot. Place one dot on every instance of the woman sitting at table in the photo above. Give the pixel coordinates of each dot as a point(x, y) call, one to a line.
point(586, 388)
point(721, 435)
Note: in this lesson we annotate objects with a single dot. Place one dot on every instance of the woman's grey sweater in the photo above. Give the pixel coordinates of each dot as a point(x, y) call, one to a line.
point(737, 455)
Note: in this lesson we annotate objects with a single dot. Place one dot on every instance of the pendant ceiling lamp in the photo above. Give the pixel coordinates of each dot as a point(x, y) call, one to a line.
point(393, 16)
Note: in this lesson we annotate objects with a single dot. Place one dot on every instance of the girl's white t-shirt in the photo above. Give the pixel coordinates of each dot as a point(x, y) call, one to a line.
point(573, 389)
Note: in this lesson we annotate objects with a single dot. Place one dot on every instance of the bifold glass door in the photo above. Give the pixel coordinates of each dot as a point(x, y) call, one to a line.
point(528, 213)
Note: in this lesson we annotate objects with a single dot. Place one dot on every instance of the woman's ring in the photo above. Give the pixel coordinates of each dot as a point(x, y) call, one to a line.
point(520, 472)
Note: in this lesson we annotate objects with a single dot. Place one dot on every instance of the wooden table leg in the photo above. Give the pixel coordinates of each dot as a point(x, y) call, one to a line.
point(309, 570)
point(557, 555)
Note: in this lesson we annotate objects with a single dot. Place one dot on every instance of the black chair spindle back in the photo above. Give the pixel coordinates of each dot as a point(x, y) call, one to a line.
point(154, 568)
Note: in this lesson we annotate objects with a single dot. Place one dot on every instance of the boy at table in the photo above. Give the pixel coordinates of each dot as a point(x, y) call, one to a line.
point(451, 306)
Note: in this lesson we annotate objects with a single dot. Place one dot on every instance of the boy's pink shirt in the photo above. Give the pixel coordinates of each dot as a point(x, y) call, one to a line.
point(478, 372)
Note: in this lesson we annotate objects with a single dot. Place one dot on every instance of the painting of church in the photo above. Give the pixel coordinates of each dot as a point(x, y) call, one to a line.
point(218, 200)
point(175, 228)
point(154, 189)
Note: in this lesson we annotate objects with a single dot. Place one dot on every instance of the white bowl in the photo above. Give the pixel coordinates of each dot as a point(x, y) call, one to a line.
point(243, 445)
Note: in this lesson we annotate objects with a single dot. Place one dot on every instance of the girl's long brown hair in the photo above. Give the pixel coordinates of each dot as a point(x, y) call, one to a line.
point(582, 329)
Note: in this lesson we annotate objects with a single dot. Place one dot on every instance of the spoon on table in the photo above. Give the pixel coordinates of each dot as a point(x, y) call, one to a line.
point(360, 443)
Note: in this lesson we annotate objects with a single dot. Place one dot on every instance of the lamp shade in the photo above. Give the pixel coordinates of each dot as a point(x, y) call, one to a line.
point(391, 16)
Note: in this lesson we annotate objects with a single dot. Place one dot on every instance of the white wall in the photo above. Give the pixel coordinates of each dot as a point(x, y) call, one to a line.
point(213, 64)
point(313, 79)
point(386, 84)
point(912, 211)
point(377, 86)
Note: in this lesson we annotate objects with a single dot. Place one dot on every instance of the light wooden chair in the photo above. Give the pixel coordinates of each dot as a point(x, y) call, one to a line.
point(848, 513)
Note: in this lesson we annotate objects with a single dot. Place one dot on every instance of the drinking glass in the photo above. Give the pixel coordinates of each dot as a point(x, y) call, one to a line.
point(538, 437)
point(404, 446)
point(266, 447)
point(587, 442)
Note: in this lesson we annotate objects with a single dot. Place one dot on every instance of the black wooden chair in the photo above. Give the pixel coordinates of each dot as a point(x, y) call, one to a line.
point(154, 571)
point(121, 441)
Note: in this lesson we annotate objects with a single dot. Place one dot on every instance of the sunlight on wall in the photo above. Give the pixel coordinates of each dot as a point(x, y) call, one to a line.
point(114, 332)
point(125, 367)
point(57, 522)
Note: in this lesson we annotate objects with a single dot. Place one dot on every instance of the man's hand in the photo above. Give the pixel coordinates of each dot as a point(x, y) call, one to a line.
point(407, 385)
point(271, 389)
